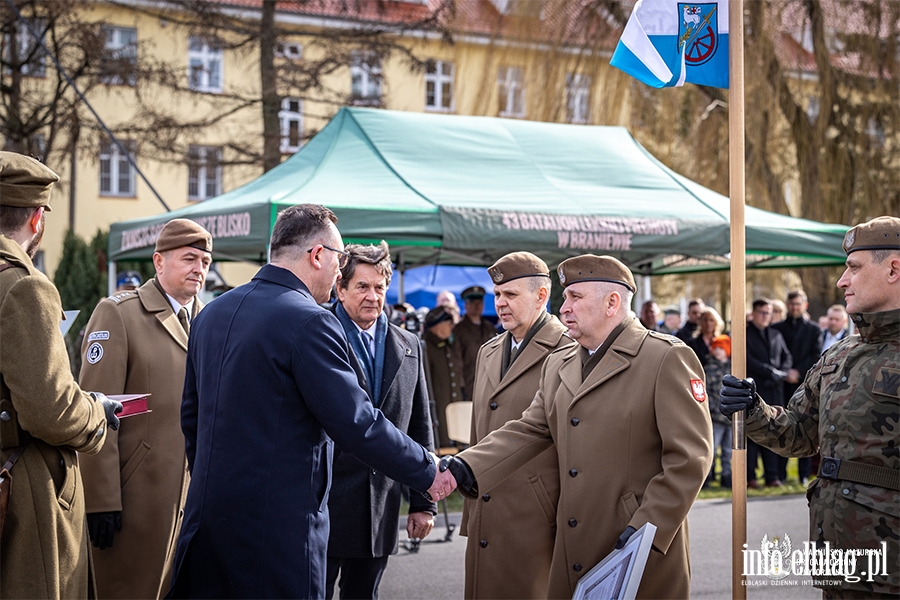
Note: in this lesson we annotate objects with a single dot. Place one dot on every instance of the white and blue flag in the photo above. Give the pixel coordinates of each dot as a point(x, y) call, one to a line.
point(667, 42)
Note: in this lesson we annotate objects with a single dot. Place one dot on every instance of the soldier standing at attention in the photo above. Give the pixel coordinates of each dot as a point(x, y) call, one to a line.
point(848, 410)
point(508, 375)
point(45, 418)
point(136, 342)
point(471, 332)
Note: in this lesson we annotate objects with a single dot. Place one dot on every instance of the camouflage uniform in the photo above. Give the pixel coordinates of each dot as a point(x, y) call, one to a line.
point(848, 407)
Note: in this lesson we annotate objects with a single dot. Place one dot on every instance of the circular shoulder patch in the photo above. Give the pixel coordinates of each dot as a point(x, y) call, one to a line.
point(94, 353)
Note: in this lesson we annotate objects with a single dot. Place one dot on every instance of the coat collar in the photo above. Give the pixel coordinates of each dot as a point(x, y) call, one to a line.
point(617, 359)
point(155, 301)
point(541, 344)
point(281, 276)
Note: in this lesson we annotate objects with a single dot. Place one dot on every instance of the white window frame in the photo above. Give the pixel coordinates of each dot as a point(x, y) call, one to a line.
point(286, 117)
point(367, 69)
point(25, 44)
point(203, 172)
point(205, 66)
point(117, 168)
point(438, 80)
point(578, 98)
point(119, 51)
point(289, 50)
point(510, 88)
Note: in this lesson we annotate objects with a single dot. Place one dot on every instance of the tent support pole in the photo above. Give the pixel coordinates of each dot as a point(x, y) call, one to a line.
point(736, 156)
point(111, 277)
point(401, 293)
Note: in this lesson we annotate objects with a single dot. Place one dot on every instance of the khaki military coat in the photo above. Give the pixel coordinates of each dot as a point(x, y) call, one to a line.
point(134, 344)
point(634, 445)
point(44, 552)
point(520, 512)
point(470, 337)
point(443, 367)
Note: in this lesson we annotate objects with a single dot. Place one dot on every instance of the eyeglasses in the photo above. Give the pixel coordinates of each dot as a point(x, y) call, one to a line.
point(343, 255)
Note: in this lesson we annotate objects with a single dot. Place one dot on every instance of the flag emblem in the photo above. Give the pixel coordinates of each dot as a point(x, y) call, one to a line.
point(698, 32)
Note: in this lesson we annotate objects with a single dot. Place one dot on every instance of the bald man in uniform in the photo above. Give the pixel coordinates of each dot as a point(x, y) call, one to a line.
point(626, 411)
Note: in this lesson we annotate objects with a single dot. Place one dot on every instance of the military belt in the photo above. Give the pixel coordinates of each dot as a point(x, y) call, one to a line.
point(857, 472)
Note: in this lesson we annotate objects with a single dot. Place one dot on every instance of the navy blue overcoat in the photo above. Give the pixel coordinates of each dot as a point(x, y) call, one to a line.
point(268, 386)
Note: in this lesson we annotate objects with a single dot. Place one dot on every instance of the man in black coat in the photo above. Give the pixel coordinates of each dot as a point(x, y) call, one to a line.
point(804, 342)
point(365, 504)
point(268, 386)
point(768, 361)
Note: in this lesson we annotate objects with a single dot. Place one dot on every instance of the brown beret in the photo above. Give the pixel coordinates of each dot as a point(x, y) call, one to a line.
point(881, 233)
point(518, 264)
point(24, 181)
point(179, 233)
point(473, 291)
point(589, 267)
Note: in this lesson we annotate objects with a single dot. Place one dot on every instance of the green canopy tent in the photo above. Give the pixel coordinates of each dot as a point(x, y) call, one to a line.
point(445, 189)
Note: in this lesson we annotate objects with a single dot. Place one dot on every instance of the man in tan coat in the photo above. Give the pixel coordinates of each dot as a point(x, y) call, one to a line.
point(625, 410)
point(520, 512)
point(136, 343)
point(45, 418)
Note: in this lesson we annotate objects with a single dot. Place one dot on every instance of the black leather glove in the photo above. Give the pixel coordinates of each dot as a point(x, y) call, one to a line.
point(102, 526)
point(623, 539)
point(737, 394)
point(111, 408)
point(465, 479)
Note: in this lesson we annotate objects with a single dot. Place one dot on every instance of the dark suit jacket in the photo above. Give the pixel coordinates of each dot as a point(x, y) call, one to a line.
point(767, 352)
point(268, 385)
point(365, 504)
point(804, 342)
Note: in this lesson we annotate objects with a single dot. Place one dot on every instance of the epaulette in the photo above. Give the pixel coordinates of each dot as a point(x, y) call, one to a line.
point(119, 297)
point(666, 337)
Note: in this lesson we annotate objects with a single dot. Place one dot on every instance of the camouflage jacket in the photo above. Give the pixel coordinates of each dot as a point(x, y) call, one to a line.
point(848, 408)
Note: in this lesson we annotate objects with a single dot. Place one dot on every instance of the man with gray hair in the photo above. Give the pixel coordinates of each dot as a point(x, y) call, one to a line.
point(365, 504)
point(507, 377)
point(624, 409)
point(268, 391)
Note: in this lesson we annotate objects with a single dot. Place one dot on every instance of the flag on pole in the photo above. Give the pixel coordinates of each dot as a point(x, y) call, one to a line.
point(667, 43)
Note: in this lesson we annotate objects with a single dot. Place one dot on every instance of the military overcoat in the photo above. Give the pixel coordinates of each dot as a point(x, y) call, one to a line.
point(470, 337)
point(44, 553)
point(134, 344)
point(848, 408)
point(520, 512)
point(634, 445)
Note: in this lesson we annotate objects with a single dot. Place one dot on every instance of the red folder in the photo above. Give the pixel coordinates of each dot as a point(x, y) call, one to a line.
point(132, 404)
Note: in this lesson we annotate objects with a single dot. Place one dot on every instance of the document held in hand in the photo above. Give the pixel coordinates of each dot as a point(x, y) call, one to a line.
point(132, 404)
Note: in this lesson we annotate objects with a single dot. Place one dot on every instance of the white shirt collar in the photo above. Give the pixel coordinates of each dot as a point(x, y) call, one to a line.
point(176, 306)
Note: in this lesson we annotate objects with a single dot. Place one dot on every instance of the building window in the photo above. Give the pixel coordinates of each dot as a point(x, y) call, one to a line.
point(365, 80)
point(204, 172)
point(578, 98)
point(439, 85)
point(291, 119)
point(119, 62)
point(23, 50)
point(204, 65)
point(511, 92)
point(116, 171)
point(289, 50)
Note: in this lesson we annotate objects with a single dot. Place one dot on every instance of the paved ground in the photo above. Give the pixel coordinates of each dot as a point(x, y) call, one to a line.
point(437, 570)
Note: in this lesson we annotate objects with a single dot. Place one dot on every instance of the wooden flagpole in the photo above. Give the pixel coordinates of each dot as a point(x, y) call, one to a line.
point(738, 289)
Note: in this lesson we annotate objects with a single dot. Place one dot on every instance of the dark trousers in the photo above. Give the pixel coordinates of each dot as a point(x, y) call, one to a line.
point(804, 468)
point(360, 577)
point(771, 462)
